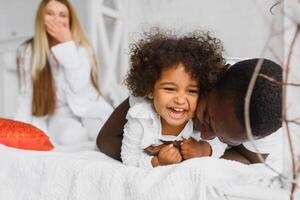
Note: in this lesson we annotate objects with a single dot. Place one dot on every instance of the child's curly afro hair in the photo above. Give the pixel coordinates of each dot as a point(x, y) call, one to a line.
point(199, 52)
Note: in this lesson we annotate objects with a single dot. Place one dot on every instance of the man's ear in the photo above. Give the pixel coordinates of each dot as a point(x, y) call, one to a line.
point(201, 107)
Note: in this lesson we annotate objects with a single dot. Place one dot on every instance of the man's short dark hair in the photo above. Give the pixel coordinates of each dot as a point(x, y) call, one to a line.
point(266, 98)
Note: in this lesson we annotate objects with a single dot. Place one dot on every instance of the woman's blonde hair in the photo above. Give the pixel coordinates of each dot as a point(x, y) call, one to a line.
point(44, 92)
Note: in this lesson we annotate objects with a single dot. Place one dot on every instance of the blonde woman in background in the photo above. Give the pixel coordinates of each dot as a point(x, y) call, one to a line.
point(59, 90)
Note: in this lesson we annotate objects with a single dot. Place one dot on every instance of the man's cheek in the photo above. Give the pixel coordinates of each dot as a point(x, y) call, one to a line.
point(196, 123)
point(206, 132)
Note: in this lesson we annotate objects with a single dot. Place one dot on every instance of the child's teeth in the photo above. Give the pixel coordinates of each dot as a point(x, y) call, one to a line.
point(178, 109)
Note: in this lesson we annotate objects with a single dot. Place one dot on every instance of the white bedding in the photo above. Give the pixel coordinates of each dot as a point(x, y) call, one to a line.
point(73, 174)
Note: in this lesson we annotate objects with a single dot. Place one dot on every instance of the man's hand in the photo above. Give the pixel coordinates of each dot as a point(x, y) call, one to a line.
point(190, 148)
point(169, 155)
point(243, 155)
point(58, 31)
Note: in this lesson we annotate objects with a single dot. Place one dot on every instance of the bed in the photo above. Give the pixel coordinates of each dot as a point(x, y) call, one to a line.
point(85, 173)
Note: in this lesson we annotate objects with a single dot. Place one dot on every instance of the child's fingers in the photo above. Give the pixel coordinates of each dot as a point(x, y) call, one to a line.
point(183, 152)
point(174, 152)
point(185, 155)
point(185, 141)
point(170, 146)
point(184, 145)
point(178, 158)
point(166, 148)
point(171, 152)
point(190, 140)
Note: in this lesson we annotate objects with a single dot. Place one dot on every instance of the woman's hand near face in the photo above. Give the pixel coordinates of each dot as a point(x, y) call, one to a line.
point(58, 31)
point(190, 148)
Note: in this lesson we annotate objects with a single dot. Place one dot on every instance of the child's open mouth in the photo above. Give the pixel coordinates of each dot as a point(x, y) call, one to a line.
point(176, 113)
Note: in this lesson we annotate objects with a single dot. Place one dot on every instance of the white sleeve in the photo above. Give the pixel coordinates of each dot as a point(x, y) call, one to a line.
point(218, 148)
point(272, 145)
point(131, 152)
point(23, 112)
point(76, 64)
point(134, 100)
point(268, 144)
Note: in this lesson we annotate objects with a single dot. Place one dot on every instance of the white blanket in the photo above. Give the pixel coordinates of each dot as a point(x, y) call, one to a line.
point(88, 175)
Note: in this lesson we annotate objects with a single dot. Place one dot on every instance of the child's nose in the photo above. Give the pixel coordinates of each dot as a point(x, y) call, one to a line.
point(180, 99)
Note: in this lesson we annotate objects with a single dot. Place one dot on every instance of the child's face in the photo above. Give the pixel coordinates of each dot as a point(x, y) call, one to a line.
point(175, 98)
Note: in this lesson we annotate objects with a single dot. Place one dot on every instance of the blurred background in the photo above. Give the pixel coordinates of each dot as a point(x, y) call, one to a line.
point(243, 26)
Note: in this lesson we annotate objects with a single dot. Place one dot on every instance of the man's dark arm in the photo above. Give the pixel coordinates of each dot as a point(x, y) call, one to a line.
point(243, 155)
point(233, 154)
point(110, 137)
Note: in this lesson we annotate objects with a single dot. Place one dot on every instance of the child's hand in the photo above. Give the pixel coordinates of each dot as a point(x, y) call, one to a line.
point(58, 31)
point(154, 150)
point(169, 155)
point(190, 148)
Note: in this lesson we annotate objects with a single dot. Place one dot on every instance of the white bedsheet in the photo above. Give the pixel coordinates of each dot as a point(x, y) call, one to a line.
point(88, 174)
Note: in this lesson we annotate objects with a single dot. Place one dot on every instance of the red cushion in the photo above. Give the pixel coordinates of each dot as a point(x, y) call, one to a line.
point(23, 136)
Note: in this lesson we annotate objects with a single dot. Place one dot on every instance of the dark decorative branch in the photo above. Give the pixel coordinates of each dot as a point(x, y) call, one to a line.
point(296, 119)
point(285, 120)
point(273, 6)
point(277, 82)
point(293, 121)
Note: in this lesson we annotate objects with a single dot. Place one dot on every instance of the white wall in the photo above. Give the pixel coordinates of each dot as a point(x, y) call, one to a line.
point(16, 18)
point(16, 26)
point(243, 26)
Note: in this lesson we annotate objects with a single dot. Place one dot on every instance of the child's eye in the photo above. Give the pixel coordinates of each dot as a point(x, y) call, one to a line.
point(193, 91)
point(169, 89)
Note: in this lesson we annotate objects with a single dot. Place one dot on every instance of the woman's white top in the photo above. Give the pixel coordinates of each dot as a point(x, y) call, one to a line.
point(75, 93)
point(143, 129)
